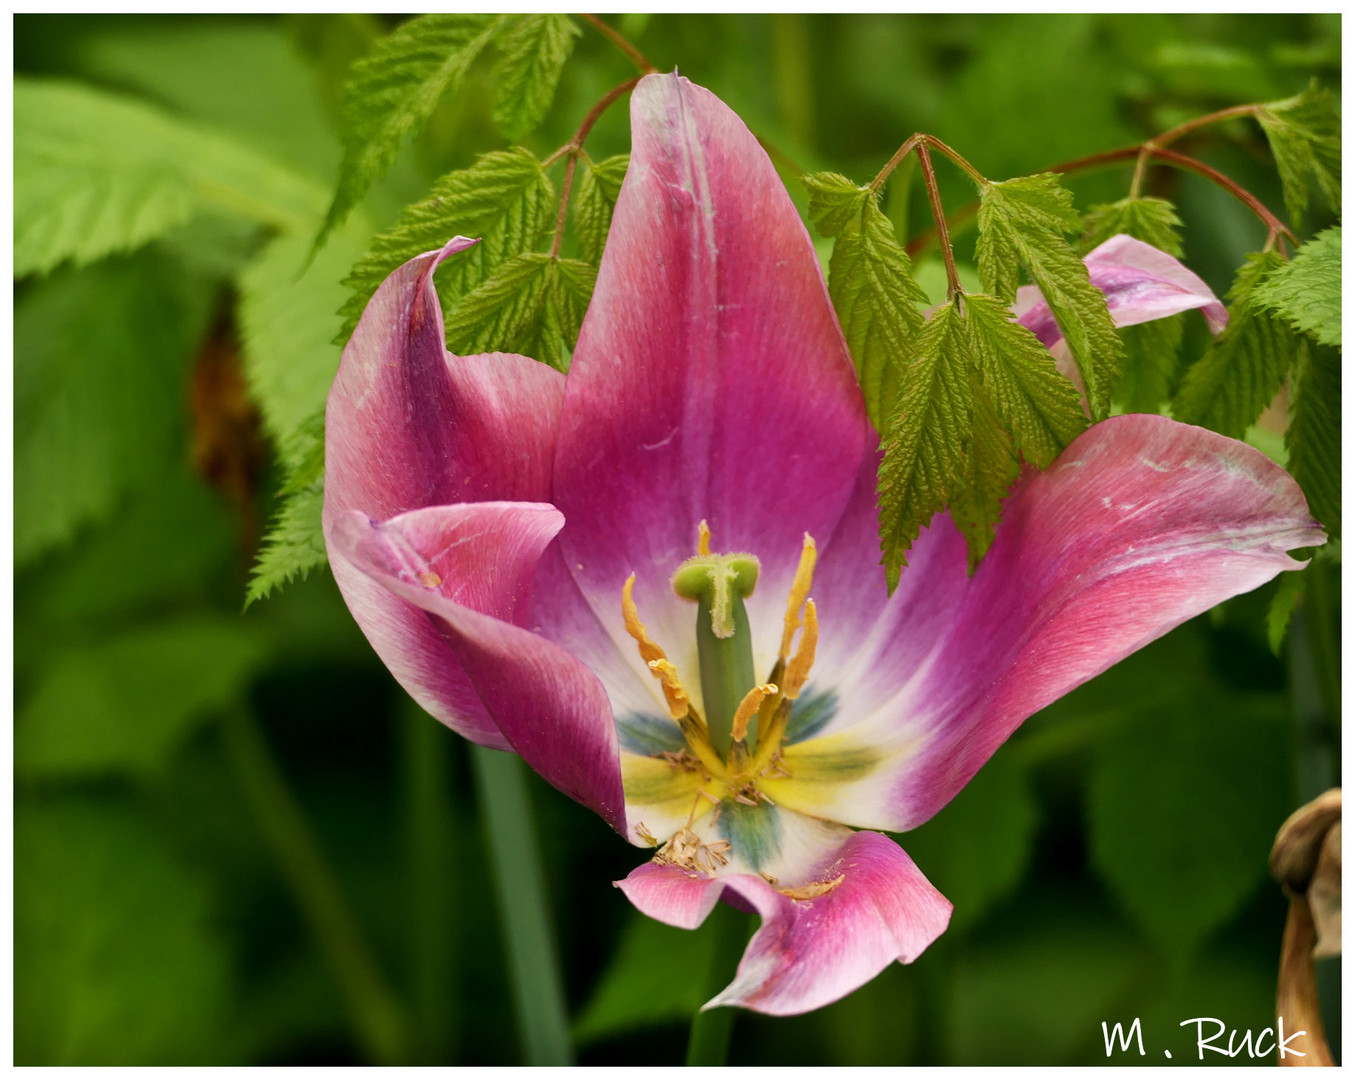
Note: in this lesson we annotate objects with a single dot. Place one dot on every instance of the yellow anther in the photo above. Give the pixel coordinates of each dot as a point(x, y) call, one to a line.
point(748, 707)
point(799, 589)
point(679, 704)
point(703, 538)
point(666, 673)
point(649, 652)
point(797, 670)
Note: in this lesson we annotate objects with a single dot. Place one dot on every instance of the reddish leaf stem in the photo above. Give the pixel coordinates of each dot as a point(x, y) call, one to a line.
point(924, 144)
point(573, 148)
point(635, 55)
point(1107, 158)
point(939, 213)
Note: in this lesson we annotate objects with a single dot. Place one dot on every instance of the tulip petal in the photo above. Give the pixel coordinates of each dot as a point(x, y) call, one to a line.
point(1140, 282)
point(409, 426)
point(1141, 524)
point(870, 907)
point(470, 567)
point(710, 380)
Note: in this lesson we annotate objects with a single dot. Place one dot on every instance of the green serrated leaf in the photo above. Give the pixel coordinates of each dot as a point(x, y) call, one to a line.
point(871, 285)
point(1154, 221)
point(1305, 137)
point(96, 173)
point(394, 91)
point(535, 48)
point(533, 304)
point(1037, 404)
point(1021, 223)
point(993, 467)
point(127, 704)
point(101, 357)
point(1243, 368)
point(834, 202)
point(294, 546)
point(118, 953)
point(1307, 290)
point(1314, 435)
point(925, 464)
point(505, 200)
point(599, 185)
point(305, 454)
point(288, 323)
point(1012, 215)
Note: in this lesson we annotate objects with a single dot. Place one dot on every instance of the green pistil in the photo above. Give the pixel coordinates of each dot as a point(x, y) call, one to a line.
point(724, 644)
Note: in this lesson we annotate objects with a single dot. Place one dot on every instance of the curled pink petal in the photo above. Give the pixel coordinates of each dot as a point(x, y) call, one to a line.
point(408, 426)
point(710, 380)
point(469, 568)
point(865, 906)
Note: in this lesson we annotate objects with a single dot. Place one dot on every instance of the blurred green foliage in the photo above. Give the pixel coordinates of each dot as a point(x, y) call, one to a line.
point(172, 349)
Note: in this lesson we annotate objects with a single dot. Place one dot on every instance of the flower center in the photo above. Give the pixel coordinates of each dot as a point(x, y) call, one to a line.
point(739, 739)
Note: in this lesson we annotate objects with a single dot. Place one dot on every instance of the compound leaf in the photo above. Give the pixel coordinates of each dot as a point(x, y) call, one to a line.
point(1154, 221)
point(504, 199)
point(294, 546)
point(1036, 403)
point(871, 285)
point(535, 48)
point(599, 184)
point(925, 464)
point(1305, 137)
point(393, 91)
point(1314, 435)
point(1021, 223)
point(1244, 367)
point(97, 173)
point(1307, 290)
point(532, 304)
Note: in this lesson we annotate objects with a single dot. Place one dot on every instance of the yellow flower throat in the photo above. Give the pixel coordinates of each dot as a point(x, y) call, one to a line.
point(740, 739)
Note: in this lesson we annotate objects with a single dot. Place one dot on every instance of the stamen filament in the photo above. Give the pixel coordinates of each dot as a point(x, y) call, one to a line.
point(799, 589)
point(797, 671)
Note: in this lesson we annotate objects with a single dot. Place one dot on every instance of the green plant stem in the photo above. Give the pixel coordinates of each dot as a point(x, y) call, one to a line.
point(515, 860)
point(708, 1043)
point(433, 910)
point(381, 1026)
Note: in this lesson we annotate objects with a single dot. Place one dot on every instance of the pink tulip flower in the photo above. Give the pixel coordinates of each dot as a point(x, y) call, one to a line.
point(657, 579)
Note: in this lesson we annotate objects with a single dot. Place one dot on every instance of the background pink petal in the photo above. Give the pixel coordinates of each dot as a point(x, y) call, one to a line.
point(464, 570)
point(1140, 282)
point(710, 379)
point(409, 426)
point(809, 952)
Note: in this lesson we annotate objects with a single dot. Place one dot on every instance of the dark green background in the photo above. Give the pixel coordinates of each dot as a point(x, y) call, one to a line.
point(1108, 863)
